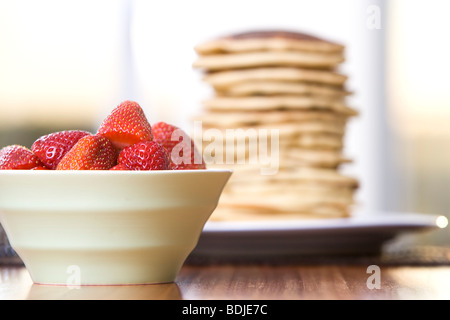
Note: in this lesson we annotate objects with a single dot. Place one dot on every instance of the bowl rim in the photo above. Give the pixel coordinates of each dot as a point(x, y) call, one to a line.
point(112, 172)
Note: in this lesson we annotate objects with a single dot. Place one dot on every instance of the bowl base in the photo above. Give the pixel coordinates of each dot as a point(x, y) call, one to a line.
point(112, 267)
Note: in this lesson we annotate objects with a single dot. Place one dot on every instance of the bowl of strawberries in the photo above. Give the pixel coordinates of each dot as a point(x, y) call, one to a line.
point(123, 205)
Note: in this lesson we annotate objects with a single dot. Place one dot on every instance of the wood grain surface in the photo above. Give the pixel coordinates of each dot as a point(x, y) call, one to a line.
point(255, 282)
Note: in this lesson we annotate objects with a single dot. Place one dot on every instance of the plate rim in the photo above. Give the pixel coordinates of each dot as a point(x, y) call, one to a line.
point(386, 219)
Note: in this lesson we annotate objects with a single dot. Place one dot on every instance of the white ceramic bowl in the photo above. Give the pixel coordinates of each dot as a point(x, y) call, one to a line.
point(106, 227)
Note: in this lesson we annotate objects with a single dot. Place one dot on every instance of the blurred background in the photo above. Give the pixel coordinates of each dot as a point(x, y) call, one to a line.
point(66, 64)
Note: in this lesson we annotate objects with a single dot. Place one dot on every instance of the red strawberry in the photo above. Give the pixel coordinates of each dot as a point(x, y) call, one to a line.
point(40, 168)
point(89, 153)
point(147, 155)
point(119, 167)
point(182, 150)
point(51, 148)
point(17, 157)
point(126, 125)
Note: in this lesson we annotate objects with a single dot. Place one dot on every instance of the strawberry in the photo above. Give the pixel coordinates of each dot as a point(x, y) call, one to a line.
point(17, 157)
point(41, 168)
point(126, 125)
point(119, 167)
point(182, 150)
point(147, 155)
point(89, 153)
point(51, 148)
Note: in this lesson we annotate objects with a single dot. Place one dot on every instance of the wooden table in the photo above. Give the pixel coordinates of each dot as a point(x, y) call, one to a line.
point(255, 282)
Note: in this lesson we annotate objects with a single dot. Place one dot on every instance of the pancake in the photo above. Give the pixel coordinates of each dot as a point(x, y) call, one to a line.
point(267, 59)
point(288, 157)
point(265, 40)
point(277, 117)
point(248, 214)
point(224, 79)
point(297, 174)
point(278, 103)
point(270, 88)
point(286, 129)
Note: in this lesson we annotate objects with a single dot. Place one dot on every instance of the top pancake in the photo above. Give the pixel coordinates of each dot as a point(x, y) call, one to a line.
point(268, 48)
point(281, 40)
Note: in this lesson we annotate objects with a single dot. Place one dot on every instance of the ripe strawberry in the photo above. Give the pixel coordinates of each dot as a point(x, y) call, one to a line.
point(147, 155)
point(182, 150)
point(40, 168)
point(89, 153)
point(126, 125)
point(17, 157)
point(51, 148)
point(119, 167)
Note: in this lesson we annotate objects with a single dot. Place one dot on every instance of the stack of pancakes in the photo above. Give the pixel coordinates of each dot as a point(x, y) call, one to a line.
point(288, 84)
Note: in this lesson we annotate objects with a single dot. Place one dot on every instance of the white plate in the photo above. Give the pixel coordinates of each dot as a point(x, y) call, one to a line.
point(361, 234)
